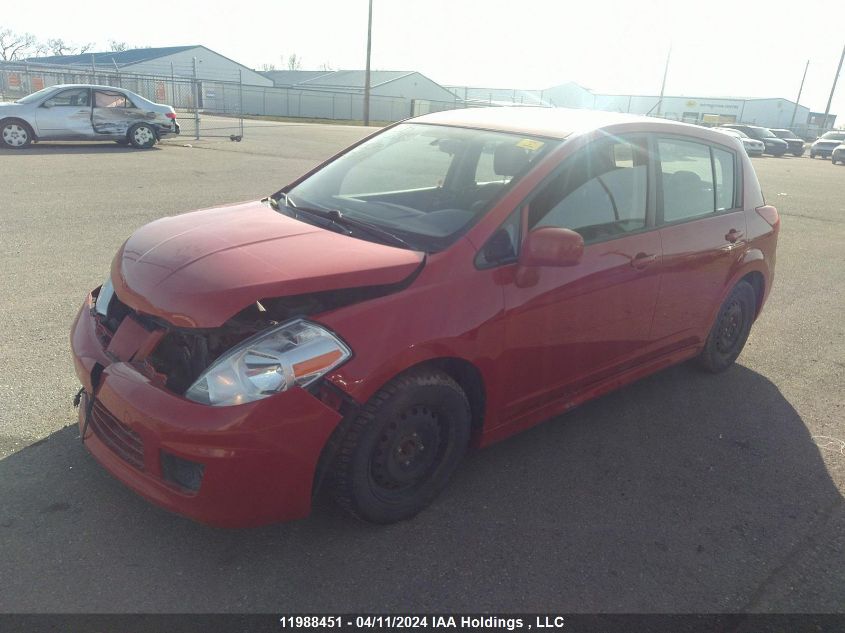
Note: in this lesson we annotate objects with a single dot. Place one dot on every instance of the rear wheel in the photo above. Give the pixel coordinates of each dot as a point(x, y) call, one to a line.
point(731, 329)
point(142, 136)
point(15, 134)
point(402, 448)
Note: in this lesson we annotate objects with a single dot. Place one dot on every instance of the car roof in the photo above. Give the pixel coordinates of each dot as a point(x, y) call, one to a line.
point(556, 123)
point(63, 86)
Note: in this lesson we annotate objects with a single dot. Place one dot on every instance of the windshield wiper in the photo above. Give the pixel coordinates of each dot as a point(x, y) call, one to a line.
point(347, 223)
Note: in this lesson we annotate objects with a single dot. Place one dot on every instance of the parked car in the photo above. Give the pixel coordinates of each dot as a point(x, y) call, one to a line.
point(828, 142)
point(74, 112)
point(774, 145)
point(752, 146)
point(838, 154)
point(796, 144)
point(445, 283)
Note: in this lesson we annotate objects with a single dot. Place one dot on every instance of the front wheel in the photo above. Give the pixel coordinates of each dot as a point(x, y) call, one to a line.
point(402, 448)
point(731, 329)
point(142, 136)
point(15, 134)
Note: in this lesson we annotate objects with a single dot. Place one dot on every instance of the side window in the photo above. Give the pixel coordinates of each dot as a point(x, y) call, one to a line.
point(687, 174)
point(503, 245)
point(601, 192)
point(104, 99)
point(723, 165)
point(73, 97)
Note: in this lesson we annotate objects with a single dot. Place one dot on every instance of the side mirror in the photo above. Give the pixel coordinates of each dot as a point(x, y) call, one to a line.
point(48, 104)
point(550, 246)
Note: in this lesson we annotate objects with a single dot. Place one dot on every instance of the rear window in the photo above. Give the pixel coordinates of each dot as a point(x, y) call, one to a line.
point(697, 179)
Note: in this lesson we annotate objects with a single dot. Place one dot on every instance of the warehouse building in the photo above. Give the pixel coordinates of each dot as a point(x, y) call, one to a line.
point(407, 84)
point(170, 61)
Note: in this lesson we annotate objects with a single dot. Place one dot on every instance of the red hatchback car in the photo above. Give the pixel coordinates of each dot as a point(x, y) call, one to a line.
point(444, 283)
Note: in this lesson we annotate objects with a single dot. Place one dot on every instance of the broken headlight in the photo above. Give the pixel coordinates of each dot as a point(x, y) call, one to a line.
point(295, 353)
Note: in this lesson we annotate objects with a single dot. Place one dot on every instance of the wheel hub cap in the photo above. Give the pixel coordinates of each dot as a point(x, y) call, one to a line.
point(15, 135)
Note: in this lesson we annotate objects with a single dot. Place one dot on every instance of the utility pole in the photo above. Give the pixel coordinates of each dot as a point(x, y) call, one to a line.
point(196, 101)
point(833, 88)
point(798, 98)
point(663, 85)
point(367, 73)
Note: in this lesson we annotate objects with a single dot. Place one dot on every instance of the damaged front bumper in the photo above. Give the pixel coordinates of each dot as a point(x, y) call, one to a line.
point(237, 466)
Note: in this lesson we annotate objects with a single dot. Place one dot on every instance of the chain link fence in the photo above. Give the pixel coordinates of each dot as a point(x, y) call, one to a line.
point(228, 101)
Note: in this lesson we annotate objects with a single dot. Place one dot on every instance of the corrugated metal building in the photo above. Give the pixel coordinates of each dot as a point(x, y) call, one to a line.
point(386, 83)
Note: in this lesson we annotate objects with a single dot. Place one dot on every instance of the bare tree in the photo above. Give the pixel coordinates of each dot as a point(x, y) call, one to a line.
point(14, 46)
point(118, 47)
point(294, 62)
point(266, 67)
point(326, 66)
point(57, 46)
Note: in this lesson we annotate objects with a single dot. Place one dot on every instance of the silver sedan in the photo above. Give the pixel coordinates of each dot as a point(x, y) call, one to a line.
point(84, 112)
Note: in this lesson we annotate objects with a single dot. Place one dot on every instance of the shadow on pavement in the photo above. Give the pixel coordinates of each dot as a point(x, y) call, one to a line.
point(683, 492)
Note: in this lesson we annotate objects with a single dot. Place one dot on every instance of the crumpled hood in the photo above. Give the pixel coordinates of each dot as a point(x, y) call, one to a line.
point(200, 269)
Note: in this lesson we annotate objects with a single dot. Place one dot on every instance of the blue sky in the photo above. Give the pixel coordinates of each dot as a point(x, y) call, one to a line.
point(719, 48)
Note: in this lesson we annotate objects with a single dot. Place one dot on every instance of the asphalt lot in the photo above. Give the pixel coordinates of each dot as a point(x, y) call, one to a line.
point(683, 492)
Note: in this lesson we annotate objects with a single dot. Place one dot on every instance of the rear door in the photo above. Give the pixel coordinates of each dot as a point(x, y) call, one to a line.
point(114, 113)
point(66, 114)
point(702, 231)
point(571, 326)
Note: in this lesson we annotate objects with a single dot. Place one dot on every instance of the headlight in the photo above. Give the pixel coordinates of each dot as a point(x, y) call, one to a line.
point(295, 353)
point(101, 305)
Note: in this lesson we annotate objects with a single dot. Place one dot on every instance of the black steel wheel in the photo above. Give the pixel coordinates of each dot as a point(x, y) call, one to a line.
point(730, 331)
point(402, 448)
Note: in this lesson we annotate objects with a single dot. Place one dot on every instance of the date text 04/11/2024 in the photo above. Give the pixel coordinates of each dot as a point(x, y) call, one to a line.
point(420, 622)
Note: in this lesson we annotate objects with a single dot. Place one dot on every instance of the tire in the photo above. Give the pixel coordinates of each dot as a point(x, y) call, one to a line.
point(730, 331)
point(15, 134)
point(382, 472)
point(142, 136)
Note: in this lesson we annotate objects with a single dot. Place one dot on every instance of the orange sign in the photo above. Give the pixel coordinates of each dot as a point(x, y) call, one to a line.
point(14, 80)
point(37, 83)
point(161, 96)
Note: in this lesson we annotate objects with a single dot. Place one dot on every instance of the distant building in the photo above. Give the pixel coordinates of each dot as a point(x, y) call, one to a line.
point(177, 61)
point(385, 83)
point(772, 113)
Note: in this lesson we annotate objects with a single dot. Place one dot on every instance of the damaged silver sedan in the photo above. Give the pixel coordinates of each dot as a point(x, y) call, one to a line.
point(75, 112)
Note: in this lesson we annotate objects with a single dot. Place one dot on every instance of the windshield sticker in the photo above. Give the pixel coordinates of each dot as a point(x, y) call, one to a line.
point(530, 144)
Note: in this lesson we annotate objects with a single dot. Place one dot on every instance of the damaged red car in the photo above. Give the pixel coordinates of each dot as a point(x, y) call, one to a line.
point(441, 285)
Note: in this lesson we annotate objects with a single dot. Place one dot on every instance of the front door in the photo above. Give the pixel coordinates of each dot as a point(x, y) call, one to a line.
point(67, 114)
point(568, 327)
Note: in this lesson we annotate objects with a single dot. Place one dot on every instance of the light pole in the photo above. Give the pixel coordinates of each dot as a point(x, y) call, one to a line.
point(367, 72)
point(800, 89)
point(833, 88)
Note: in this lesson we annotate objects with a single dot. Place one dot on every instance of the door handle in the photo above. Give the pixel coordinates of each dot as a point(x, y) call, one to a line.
point(641, 260)
point(733, 235)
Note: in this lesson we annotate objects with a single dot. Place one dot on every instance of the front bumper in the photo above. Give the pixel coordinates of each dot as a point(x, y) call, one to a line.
point(258, 460)
point(776, 150)
point(824, 151)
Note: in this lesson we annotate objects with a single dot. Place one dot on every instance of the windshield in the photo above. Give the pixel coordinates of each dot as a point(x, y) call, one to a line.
point(834, 136)
point(35, 96)
point(731, 132)
point(423, 183)
point(783, 134)
point(765, 133)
